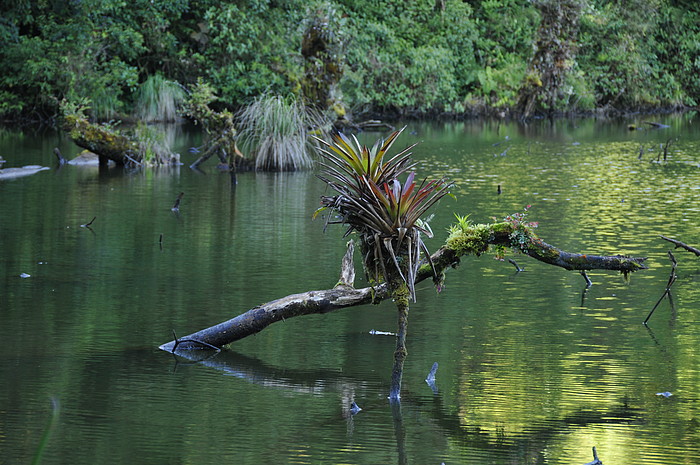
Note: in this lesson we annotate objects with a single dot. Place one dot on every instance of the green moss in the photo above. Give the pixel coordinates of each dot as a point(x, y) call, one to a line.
point(401, 294)
point(469, 239)
point(501, 228)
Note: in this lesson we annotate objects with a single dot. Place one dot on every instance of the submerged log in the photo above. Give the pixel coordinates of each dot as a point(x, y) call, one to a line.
point(12, 173)
point(84, 158)
point(471, 240)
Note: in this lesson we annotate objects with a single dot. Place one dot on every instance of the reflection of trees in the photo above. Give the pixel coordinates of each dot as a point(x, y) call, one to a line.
point(526, 446)
point(257, 372)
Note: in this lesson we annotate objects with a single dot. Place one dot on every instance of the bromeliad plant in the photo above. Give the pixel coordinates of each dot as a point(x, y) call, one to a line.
point(373, 202)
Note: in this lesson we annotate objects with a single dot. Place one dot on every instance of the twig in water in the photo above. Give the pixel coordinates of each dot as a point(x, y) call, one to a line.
point(596, 460)
point(176, 207)
point(132, 160)
point(515, 264)
point(55, 410)
point(655, 124)
point(354, 408)
point(682, 245)
point(431, 376)
point(504, 153)
point(668, 144)
point(59, 155)
point(87, 225)
point(667, 292)
point(589, 283)
point(583, 295)
point(178, 341)
point(430, 379)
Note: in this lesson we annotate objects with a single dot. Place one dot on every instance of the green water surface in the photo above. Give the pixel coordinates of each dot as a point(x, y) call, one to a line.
point(533, 367)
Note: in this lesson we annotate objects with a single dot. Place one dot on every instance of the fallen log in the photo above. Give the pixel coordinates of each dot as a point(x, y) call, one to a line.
point(466, 240)
point(104, 142)
point(110, 144)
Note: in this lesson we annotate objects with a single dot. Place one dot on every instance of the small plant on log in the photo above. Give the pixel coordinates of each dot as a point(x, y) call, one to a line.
point(523, 234)
point(386, 214)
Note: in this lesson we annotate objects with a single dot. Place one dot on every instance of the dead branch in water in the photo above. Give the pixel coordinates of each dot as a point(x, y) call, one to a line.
point(682, 245)
point(474, 241)
point(667, 291)
point(596, 460)
point(176, 207)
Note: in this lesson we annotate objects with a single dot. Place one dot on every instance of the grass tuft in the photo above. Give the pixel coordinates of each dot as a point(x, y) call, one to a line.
point(158, 99)
point(275, 131)
point(154, 144)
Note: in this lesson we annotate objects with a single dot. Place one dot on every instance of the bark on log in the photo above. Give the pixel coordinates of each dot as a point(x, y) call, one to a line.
point(107, 144)
point(474, 240)
point(111, 145)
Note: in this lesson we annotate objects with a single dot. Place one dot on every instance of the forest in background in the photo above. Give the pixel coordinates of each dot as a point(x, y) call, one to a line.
point(392, 58)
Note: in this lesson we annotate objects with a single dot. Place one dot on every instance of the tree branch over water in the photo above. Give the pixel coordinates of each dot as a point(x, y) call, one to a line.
point(682, 245)
point(465, 239)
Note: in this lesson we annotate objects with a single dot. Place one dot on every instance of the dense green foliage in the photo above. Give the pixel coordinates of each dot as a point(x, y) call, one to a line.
point(403, 57)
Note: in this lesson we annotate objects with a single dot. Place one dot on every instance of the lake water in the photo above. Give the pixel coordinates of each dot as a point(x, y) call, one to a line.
point(533, 367)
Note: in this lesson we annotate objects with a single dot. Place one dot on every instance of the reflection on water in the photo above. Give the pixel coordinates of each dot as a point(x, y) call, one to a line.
point(533, 368)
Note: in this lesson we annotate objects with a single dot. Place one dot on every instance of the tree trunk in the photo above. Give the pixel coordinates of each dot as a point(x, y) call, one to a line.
point(401, 296)
point(554, 53)
point(324, 60)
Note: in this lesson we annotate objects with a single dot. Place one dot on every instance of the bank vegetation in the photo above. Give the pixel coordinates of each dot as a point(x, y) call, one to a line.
point(353, 58)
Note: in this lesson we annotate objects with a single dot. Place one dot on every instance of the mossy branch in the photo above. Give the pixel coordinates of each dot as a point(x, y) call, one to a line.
point(106, 143)
point(219, 127)
point(467, 239)
point(476, 239)
point(111, 144)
